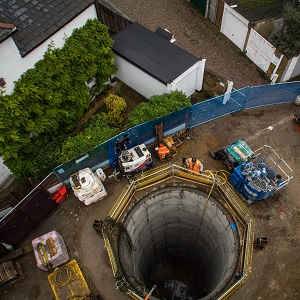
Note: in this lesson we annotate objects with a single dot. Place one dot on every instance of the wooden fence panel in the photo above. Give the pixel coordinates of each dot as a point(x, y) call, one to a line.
point(113, 20)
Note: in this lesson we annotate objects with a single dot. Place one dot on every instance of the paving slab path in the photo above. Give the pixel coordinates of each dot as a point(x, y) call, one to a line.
point(197, 35)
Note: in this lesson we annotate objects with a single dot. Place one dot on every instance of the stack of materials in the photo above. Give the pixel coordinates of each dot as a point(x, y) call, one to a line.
point(50, 251)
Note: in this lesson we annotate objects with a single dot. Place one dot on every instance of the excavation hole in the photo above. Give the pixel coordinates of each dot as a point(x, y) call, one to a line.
point(172, 245)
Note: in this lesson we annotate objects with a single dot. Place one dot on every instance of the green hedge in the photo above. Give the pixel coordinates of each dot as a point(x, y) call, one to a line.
point(158, 106)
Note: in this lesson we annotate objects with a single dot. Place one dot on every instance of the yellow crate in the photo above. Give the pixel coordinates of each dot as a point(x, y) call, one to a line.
point(67, 282)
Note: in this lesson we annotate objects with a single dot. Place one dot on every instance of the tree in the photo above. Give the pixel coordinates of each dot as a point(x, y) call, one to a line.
point(158, 106)
point(50, 98)
point(288, 40)
point(48, 156)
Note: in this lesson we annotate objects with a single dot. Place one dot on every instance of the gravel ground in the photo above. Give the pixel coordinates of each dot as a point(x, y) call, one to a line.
point(197, 35)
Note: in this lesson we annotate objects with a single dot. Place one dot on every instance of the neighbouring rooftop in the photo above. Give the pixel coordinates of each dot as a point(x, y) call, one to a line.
point(152, 53)
point(37, 20)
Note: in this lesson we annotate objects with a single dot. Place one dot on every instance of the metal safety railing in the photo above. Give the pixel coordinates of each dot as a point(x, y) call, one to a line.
point(152, 177)
point(210, 179)
point(243, 212)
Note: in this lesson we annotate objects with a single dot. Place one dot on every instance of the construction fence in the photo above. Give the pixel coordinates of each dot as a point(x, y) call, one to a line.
point(188, 117)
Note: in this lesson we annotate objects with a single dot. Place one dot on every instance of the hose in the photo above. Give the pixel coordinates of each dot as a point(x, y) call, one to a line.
point(65, 275)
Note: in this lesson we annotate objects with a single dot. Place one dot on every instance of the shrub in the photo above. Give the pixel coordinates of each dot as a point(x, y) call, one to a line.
point(158, 106)
point(47, 158)
point(115, 107)
point(94, 134)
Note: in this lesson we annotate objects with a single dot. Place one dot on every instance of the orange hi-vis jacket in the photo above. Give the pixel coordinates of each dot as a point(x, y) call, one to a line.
point(196, 166)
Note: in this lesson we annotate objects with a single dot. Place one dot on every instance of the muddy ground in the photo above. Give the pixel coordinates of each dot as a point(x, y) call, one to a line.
point(275, 270)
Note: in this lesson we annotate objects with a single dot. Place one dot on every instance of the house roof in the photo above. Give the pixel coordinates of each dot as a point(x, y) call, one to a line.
point(152, 53)
point(37, 20)
point(6, 30)
point(255, 11)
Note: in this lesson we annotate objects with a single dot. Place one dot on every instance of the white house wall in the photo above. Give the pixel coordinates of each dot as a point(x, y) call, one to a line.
point(234, 26)
point(292, 68)
point(187, 82)
point(191, 80)
point(137, 79)
point(200, 74)
point(12, 65)
point(4, 172)
point(146, 85)
point(296, 70)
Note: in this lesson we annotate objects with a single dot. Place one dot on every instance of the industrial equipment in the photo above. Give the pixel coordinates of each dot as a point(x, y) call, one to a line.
point(257, 174)
point(50, 251)
point(235, 154)
point(166, 147)
point(261, 242)
point(297, 113)
point(297, 116)
point(134, 160)
point(60, 194)
point(87, 186)
point(10, 272)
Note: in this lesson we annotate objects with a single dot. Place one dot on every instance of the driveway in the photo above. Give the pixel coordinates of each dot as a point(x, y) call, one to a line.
point(197, 35)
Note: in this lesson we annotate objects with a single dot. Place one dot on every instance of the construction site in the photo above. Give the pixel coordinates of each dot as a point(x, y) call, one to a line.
point(172, 233)
point(200, 204)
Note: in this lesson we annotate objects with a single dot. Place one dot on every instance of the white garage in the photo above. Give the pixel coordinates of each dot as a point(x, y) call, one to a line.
point(152, 65)
point(234, 26)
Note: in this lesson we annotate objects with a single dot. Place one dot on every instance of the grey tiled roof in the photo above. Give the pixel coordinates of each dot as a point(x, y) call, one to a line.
point(4, 32)
point(37, 20)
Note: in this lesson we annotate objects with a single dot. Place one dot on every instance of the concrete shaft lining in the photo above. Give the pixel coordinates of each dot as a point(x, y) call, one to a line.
point(164, 227)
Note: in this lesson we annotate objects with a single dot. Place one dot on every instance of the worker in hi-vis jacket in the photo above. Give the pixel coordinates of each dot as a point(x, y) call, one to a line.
point(194, 164)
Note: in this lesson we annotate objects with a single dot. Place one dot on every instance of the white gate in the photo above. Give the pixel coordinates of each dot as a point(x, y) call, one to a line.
point(234, 26)
point(260, 51)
